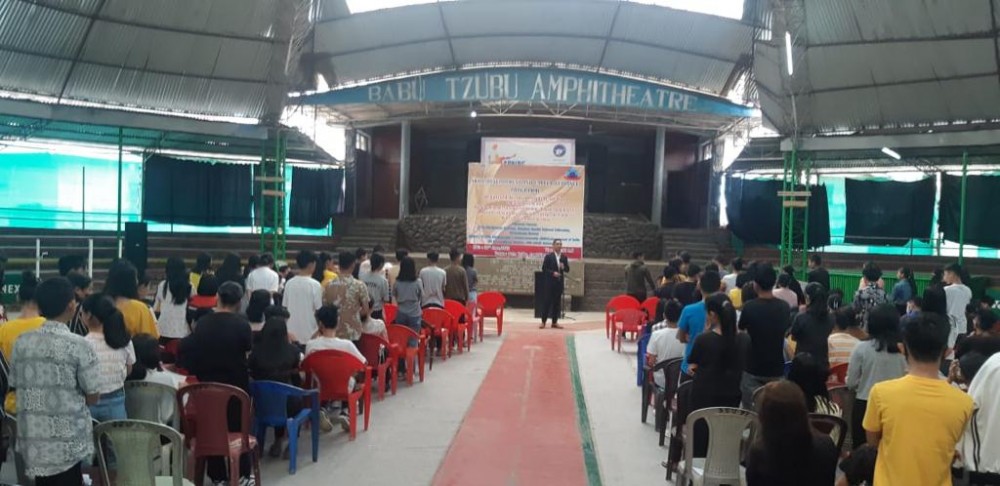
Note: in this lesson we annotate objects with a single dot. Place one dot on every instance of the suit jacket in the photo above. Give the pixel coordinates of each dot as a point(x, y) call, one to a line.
point(549, 265)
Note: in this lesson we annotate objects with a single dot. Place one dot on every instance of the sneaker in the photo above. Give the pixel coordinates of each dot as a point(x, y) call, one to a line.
point(247, 481)
point(345, 422)
point(276, 448)
point(325, 424)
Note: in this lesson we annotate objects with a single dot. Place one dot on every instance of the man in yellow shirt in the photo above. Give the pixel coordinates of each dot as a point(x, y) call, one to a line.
point(916, 421)
point(29, 321)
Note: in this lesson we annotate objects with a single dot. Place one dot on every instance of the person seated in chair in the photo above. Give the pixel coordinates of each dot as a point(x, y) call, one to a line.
point(327, 339)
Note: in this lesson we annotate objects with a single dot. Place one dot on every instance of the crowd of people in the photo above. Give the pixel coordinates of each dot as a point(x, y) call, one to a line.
point(229, 325)
point(922, 368)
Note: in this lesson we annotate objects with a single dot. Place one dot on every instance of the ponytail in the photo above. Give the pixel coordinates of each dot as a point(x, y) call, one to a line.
point(908, 275)
point(723, 307)
point(113, 322)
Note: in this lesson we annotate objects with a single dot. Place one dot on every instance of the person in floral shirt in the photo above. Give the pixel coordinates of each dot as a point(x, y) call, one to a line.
point(350, 295)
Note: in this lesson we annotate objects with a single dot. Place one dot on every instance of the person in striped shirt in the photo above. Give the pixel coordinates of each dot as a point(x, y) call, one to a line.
point(845, 336)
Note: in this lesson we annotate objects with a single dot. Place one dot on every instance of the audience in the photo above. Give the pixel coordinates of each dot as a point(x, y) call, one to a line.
point(980, 444)
point(729, 280)
point(782, 291)
point(30, 318)
point(811, 329)
point(408, 294)
point(794, 286)
point(231, 270)
point(378, 286)
point(123, 286)
point(873, 361)
point(54, 432)
point(72, 264)
point(263, 276)
point(845, 336)
point(350, 295)
point(456, 286)
point(904, 290)
point(957, 297)
point(870, 295)
point(204, 302)
point(692, 320)
point(670, 278)
point(432, 279)
point(686, 291)
point(392, 271)
point(810, 374)
point(274, 358)
point(328, 339)
point(325, 270)
point(259, 301)
point(715, 362)
point(817, 273)
point(637, 277)
point(765, 319)
point(663, 342)
point(202, 266)
point(81, 289)
point(115, 355)
point(916, 421)
point(786, 450)
point(303, 297)
point(363, 256)
point(148, 367)
point(171, 301)
point(472, 276)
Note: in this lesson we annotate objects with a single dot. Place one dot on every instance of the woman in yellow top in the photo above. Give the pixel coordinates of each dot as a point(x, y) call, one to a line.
point(202, 266)
point(324, 273)
point(29, 321)
point(123, 287)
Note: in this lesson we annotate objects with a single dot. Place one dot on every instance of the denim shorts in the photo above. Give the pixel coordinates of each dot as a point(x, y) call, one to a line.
point(110, 406)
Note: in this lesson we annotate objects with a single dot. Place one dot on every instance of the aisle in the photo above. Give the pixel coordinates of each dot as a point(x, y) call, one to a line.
point(522, 428)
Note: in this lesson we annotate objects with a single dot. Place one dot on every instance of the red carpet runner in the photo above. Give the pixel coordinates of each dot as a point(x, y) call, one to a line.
point(522, 427)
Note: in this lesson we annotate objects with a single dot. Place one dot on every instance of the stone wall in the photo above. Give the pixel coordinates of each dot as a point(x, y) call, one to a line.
point(427, 232)
point(604, 236)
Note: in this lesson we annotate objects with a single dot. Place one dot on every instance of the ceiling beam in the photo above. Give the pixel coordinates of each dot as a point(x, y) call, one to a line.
point(79, 48)
point(898, 143)
point(607, 39)
point(987, 74)
point(983, 35)
point(444, 27)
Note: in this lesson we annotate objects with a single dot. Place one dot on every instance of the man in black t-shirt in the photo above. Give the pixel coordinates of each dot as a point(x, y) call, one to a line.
point(766, 320)
point(817, 273)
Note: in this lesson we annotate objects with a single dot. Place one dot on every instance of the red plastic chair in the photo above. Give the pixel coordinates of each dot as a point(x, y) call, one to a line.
point(458, 310)
point(626, 321)
point(399, 339)
point(446, 327)
point(617, 303)
point(838, 375)
point(207, 432)
point(491, 304)
point(330, 371)
point(389, 313)
point(649, 305)
point(370, 345)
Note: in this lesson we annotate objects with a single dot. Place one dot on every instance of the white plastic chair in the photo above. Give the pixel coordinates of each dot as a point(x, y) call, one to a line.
point(721, 466)
point(137, 446)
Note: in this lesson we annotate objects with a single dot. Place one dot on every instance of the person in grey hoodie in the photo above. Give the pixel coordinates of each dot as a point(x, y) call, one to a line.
point(637, 277)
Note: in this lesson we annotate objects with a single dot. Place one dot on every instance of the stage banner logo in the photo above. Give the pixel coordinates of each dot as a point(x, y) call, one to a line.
point(517, 210)
point(528, 151)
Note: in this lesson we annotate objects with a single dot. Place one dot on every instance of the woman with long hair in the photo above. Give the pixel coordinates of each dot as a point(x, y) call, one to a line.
point(115, 355)
point(171, 301)
point(904, 290)
point(149, 367)
point(231, 270)
point(322, 259)
point(122, 285)
point(274, 358)
point(81, 289)
point(811, 328)
point(873, 361)
point(786, 451)
point(202, 266)
point(811, 375)
point(260, 299)
point(716, 364)
point(407, 293)
point(935, 301)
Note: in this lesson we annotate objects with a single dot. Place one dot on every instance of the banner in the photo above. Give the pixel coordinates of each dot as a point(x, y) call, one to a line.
point(528, 151)
point(517, 210)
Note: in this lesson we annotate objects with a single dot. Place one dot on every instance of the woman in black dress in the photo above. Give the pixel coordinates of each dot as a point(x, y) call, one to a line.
point(716, 364)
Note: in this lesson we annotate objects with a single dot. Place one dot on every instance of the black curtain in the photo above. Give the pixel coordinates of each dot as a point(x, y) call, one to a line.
point(888, 213)
point(980, 221)
point(754, 211)
point(197, 193)
point(316, 196)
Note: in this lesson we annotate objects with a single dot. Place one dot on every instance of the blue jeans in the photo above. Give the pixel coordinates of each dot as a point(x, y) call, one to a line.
point(111, 406)
point(412, 322)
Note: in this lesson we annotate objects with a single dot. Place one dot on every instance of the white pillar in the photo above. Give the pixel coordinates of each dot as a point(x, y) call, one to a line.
point(404, 170)
point(659, 176)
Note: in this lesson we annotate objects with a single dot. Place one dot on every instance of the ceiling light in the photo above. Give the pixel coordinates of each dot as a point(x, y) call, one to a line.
point(473, 114)
point(788, 52)
point(891, 153)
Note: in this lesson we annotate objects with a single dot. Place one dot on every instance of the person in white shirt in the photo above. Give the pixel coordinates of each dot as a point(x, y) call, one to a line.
point(433, 279)
point(663, 342)
point(958, 296)
point(327, 339)
point(980, 446)
point(263, 277)
point(171, 300)
point(148, 367)
point(729, 280)
point(378, 286)
point(303, 297)
point(115, 355)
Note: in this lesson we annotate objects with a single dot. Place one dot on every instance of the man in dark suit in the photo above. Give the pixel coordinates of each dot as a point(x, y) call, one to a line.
point(555, 266)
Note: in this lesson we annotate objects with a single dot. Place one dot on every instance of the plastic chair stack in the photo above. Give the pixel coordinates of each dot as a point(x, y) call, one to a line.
point(211, 436)
point(271, 399)
point(137, 445)
point(491, 304)
point(617, 303)
point(415, 357)
point(626, 321)
point(331, 371)
point(371, 347)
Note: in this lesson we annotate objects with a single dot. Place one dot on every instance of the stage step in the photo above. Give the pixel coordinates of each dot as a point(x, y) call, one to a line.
point(367, 233)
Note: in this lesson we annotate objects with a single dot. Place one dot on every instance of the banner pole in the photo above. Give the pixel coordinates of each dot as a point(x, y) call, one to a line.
point(961, 219)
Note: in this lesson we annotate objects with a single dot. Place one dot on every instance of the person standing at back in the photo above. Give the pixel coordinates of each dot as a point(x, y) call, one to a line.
point(871, 294)
point(171, 301)
point(303, 297)
point(917, 420)
point(786, 294)
point(958, 295)
point(263, 276)
point(378, 286)
point(692, 320)
point(54, 433)
point(637, 277)
point(202, 266)
point(766, 320)
point(456, 286)
point(555, 266)
point(123, 286)
point(811, 329)
point(729, 280)
point(432, 279)
point(350, 295)
point(392, 271)
point(817, 273)
point(469, 264)
point(873, 361)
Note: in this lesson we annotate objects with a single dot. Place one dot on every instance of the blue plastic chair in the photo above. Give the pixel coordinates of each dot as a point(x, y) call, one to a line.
point(270, 400)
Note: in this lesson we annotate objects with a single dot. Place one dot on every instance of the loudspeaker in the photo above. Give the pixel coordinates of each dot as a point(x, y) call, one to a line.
point(135, 250)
